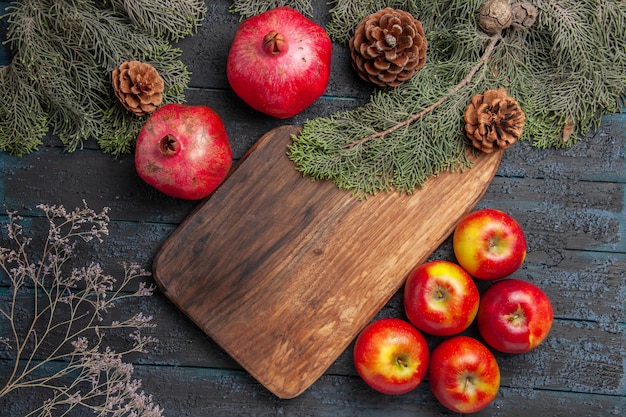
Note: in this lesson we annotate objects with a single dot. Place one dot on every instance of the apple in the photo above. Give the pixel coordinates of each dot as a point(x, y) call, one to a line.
point(440, 298)
point(463, 374)
point(489, 244)
point(514, 316)
point(391, 356)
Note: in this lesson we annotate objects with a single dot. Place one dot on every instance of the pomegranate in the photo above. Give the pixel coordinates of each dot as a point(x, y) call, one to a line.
point(183, 151)
point(279, 62)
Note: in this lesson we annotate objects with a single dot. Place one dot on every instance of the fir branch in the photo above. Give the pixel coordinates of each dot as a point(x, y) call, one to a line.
point(64, 52)
point(417, 126)
point(20, 113)
point(247, 8)
point(163, 20)
point(493, 40)
point(403, 159)
point(565, 71)
point(577, 69)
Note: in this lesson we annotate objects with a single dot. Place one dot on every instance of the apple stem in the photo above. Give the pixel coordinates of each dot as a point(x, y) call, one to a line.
point(274, 43)
point(168, 145)
point(402, 360)
point(517, 317)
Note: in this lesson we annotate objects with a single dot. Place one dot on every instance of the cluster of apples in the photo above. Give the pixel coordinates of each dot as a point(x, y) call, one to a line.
point(441, 299)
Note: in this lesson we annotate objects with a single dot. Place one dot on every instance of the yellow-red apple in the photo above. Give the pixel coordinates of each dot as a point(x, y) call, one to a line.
point(514, 316)
point(489, 244)
point(463, 374)
point(440, 298)
point(391, 356)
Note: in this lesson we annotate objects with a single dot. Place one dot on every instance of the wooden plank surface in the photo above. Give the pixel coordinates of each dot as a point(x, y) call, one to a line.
point(283, 273)
point(570, 202)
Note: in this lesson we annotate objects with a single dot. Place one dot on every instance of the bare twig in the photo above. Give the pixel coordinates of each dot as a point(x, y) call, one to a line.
point(67, 323)
point(493, 40)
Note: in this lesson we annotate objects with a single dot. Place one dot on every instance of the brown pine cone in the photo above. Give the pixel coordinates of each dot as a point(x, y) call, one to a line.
point(495, 15)
point(388, 47)
point(138, 86)
point(524, 15)
point(493, 120)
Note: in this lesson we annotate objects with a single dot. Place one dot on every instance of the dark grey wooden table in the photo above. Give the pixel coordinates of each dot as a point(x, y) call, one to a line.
point(571, 203)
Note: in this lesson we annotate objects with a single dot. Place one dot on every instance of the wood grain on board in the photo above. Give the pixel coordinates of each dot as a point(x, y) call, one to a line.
point(283, 272)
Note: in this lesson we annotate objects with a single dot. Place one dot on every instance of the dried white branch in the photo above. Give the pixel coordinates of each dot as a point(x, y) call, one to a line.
point(69, 320)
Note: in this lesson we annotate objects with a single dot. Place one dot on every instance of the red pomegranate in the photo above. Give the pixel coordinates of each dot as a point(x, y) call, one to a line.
point(183, 151)
point(279, 62)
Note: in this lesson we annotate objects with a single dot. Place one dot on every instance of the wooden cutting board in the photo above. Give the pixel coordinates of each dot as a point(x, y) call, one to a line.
point(283, 272)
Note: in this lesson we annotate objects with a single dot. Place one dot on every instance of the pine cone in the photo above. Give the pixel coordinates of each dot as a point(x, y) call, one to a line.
point(138, 86)
point(495, 15)
point(388, 47)
point(493, 120)
point(524, 15)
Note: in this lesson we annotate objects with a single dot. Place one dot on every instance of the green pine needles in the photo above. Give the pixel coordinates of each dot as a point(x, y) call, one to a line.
point(249, 8)
point(65, 50)
point(566, 71)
